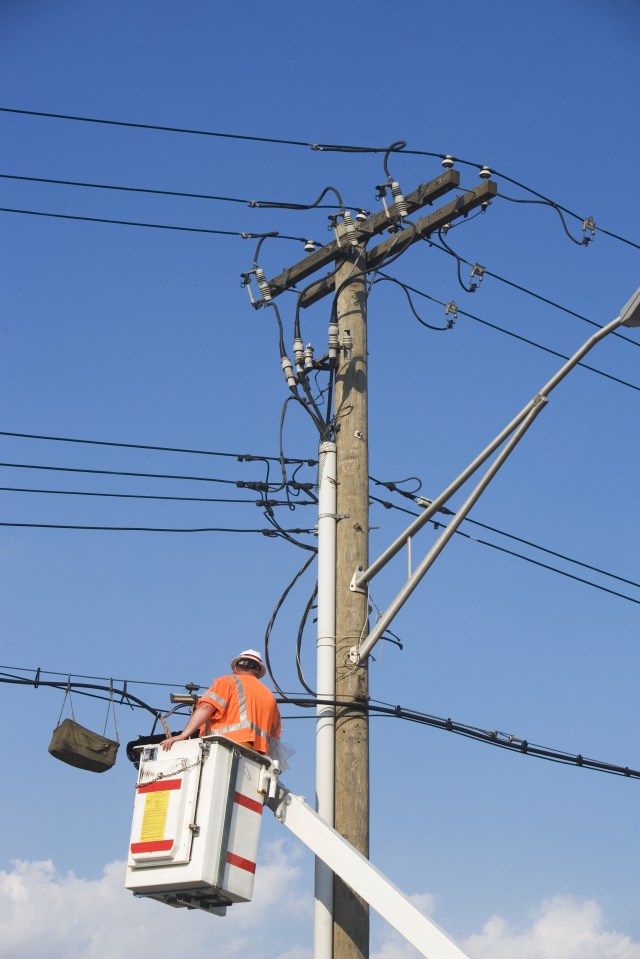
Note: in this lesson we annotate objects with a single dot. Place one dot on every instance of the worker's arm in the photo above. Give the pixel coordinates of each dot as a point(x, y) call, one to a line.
point(199, 716)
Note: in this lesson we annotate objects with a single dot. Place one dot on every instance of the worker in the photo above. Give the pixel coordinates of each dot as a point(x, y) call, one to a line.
point(239, 707)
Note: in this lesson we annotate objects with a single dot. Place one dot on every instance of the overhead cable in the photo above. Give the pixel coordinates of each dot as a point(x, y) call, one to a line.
point(240, 484)
point(242, 457)
point(492, 737)
point(143, 496)
point(523, 289)
point(157, 529)
point(152, 226)
point(318, 147)
point(522, 339)
point(528, 559)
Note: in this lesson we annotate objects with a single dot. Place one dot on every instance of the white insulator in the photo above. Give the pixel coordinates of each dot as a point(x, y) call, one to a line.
point(485, 173)
point(308, 357)
point(287, 369)
point(263, 286)
point(448, 162)
point(298, 352)
point(309, 246)
point(362, 216)
point(399, 202)
point(349, 228)
point(333, 341)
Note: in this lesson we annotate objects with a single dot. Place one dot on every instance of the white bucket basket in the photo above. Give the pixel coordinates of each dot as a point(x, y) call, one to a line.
point(196, 823)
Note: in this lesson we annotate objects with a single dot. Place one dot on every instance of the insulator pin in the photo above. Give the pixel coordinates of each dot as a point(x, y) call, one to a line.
point(334, 343)
point(298, 352)
point(308, 358)
point(399, 202)
point(287, 369)
point(263, 286)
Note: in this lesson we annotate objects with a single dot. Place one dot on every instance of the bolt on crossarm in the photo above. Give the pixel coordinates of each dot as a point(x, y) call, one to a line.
point(513, 432)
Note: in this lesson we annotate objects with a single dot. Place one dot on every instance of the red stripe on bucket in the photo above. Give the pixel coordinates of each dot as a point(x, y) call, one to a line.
point(241, 863)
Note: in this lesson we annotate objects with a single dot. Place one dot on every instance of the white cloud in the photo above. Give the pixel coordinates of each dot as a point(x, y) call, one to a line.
point(44, 915)
point(562, 928)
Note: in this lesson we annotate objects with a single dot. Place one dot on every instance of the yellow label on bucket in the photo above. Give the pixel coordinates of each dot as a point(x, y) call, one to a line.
point(155, 816)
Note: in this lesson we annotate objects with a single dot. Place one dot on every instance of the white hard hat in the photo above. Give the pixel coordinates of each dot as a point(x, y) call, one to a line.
point(254, 656)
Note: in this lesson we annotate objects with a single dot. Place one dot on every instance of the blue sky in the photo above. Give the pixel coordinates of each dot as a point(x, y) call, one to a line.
point(144, 336)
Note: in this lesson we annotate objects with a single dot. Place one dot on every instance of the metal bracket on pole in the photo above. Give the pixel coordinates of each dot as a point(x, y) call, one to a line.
point(354, 584)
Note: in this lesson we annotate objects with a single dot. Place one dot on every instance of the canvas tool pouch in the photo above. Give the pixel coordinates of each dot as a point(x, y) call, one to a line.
point(81, 747)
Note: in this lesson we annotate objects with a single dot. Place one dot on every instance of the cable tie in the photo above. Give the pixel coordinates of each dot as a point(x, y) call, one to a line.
point(524, 746)
point(448, 725)
point(579, 760)
point(36, 681)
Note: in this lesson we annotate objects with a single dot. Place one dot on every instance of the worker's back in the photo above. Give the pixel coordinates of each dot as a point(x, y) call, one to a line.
point(245, 711)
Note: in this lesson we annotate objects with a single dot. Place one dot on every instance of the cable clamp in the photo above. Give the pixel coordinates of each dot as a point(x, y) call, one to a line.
point(452, 309)
point(588, 226)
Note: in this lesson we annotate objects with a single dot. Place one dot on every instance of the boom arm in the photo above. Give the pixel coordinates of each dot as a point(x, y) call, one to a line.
point(365, 880)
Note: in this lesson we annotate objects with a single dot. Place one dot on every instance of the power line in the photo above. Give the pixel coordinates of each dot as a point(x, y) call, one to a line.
point(537, 296)
point(242, 457)
point(155, 126)
point(319, 147)
point(152, 226)
point(186, 499)
point(491, 737)
point(189, 229)
point(254, 204)
point(273, 533)
point(528, 559)
point(240, 484)
point(267, 503)
point(245, 235)
point(474, 522)
point(523, 339)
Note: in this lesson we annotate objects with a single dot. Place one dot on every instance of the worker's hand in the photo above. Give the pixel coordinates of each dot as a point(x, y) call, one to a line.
point(168, 743)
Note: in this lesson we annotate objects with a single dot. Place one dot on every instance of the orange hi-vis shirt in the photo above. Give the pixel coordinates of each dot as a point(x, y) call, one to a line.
point(244, 710)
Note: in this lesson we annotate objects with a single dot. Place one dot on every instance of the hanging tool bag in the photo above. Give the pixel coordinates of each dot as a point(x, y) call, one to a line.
point(81, 747)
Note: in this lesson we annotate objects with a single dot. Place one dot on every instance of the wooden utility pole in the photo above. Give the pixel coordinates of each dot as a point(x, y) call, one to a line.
point(348, 327)
point(350, 913)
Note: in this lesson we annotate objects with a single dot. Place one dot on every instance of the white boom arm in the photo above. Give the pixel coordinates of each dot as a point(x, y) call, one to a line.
point(365, 880)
